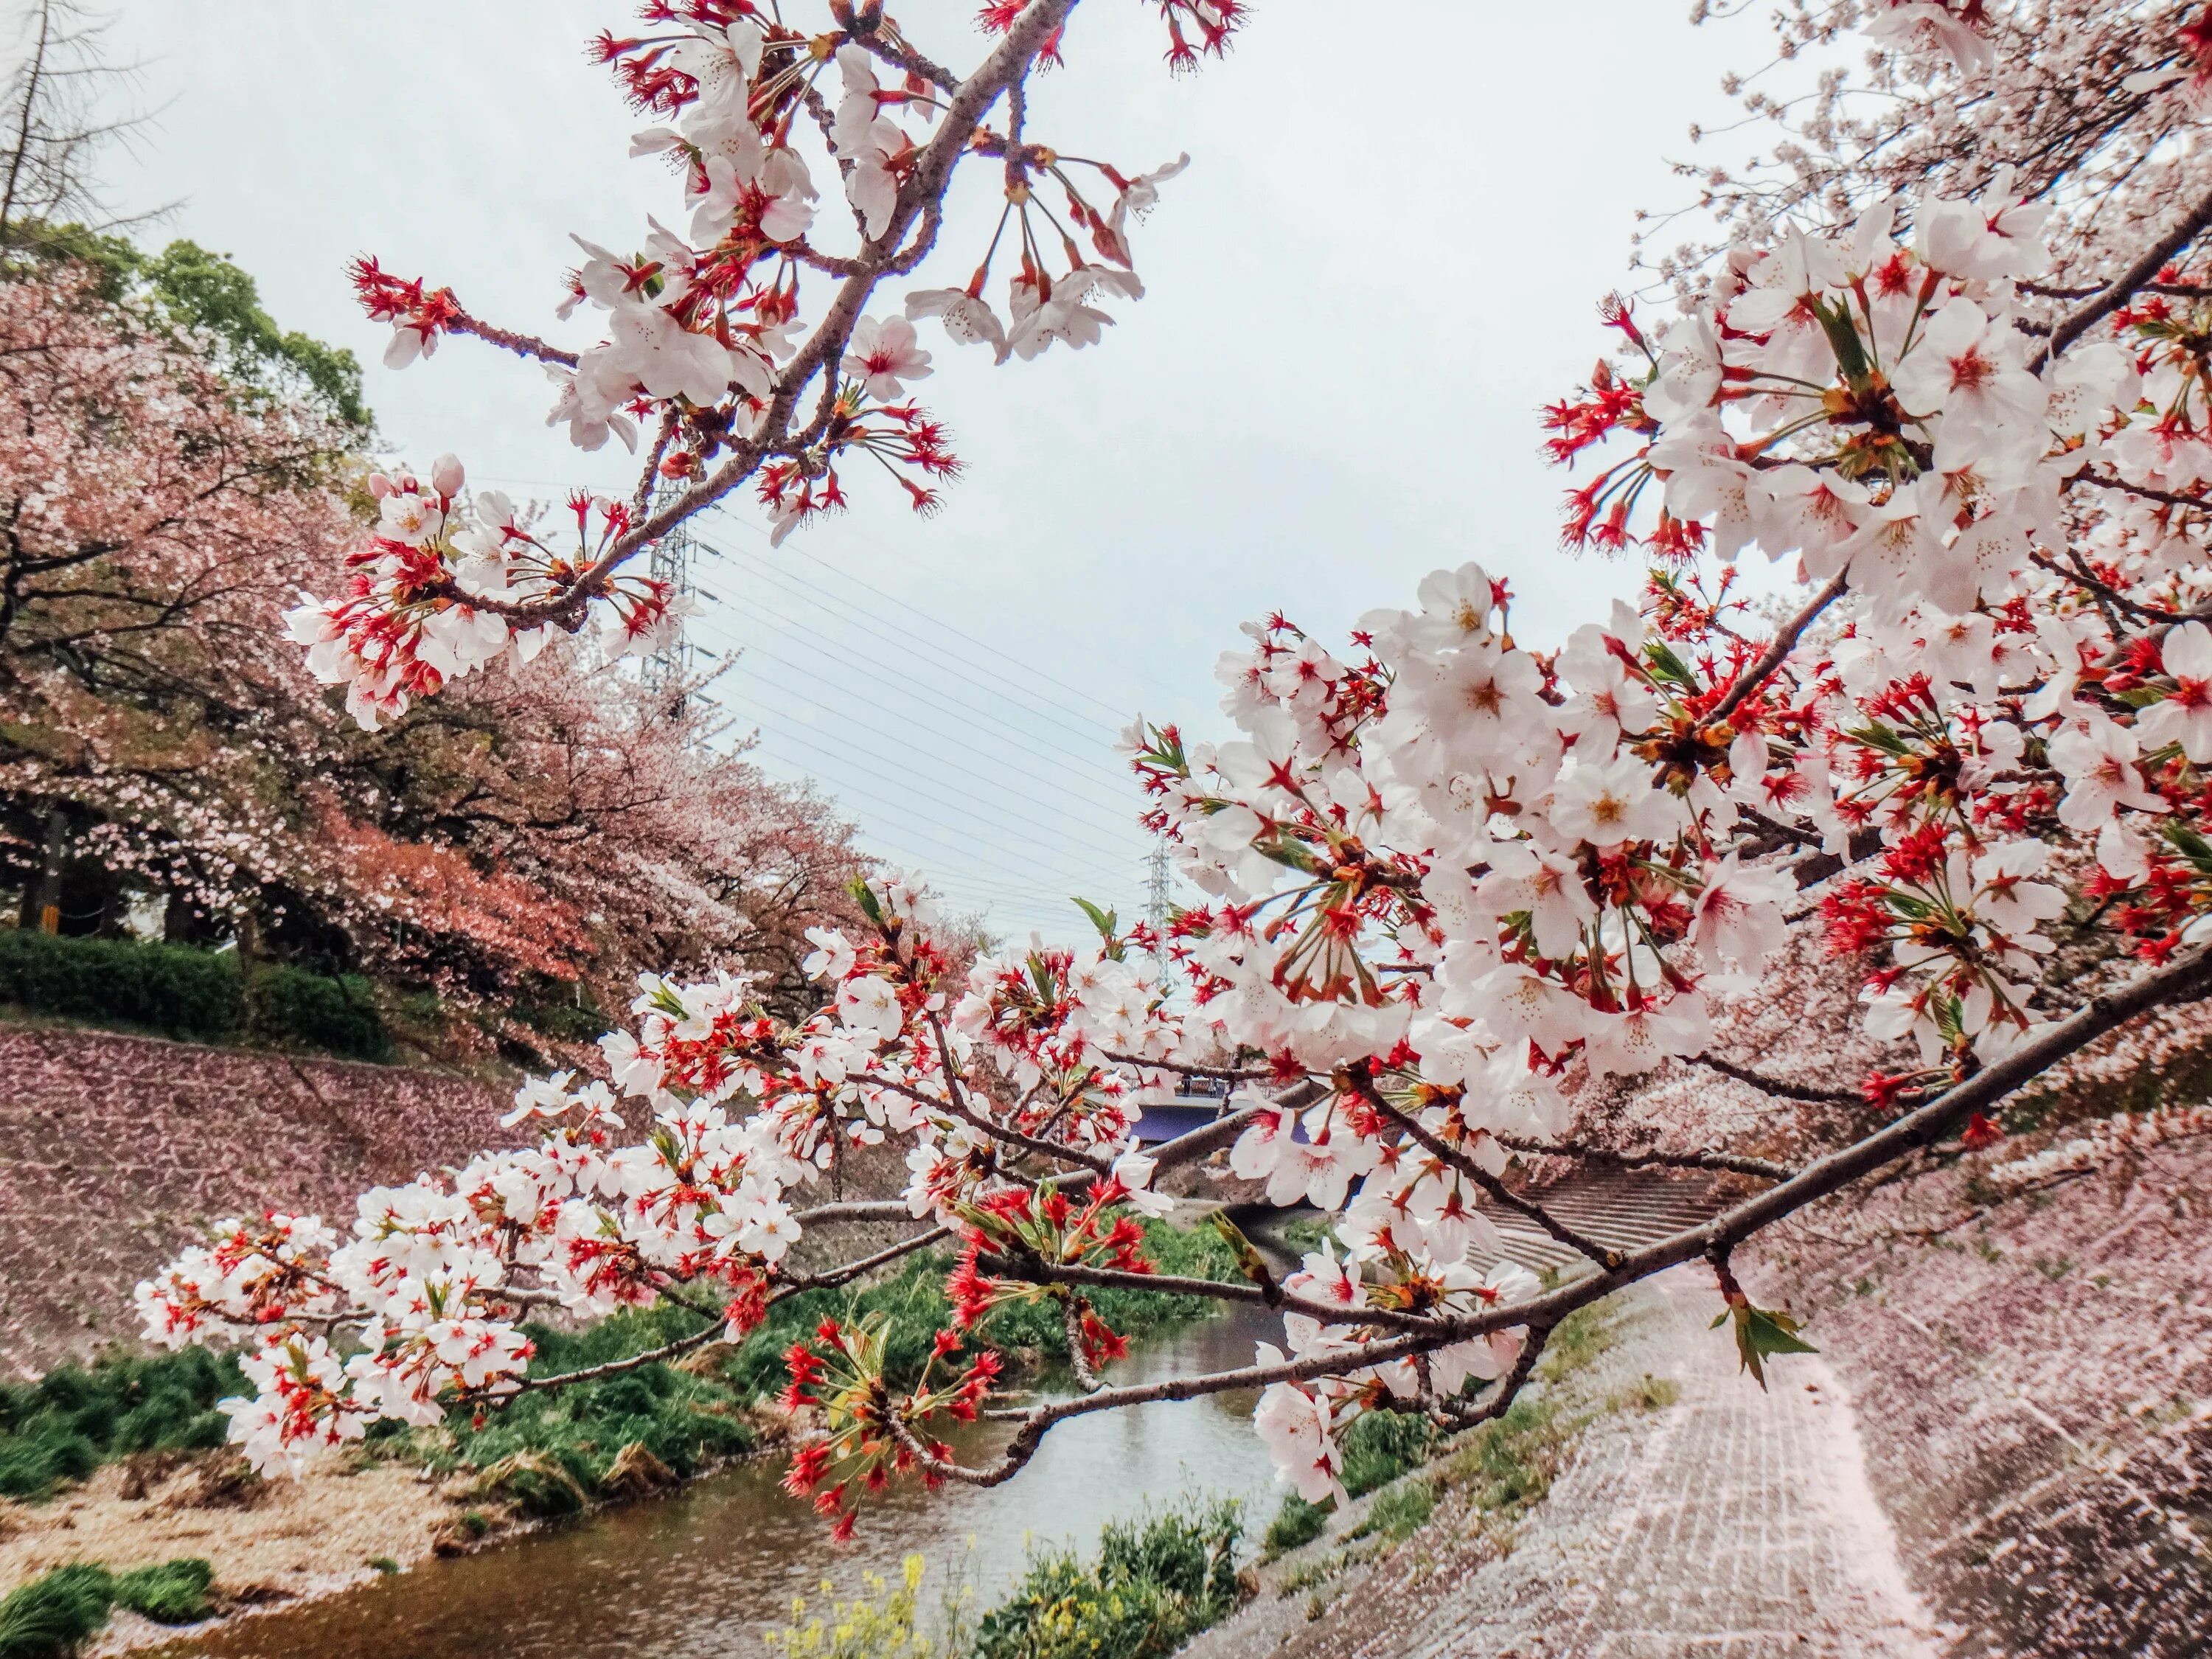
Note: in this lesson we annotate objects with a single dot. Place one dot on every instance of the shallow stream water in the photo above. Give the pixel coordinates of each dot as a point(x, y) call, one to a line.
point(700, 1573)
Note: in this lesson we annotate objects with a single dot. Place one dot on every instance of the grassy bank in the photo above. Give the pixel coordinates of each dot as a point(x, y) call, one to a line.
point(1152, 1583)
point(54, 1614)
point(62, 1427)
point(1505, 1466)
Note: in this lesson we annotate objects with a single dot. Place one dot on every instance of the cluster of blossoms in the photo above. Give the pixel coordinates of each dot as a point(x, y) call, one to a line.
point(423, 604)
point(744, 349)
point(1449, 878)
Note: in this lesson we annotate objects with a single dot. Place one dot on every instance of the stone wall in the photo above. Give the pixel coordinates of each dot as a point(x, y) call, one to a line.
point(2034, 1383)
point(114, 1150)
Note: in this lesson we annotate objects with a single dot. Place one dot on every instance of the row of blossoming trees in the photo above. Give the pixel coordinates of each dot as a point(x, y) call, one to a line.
point(1950, 363)
point(176, 470)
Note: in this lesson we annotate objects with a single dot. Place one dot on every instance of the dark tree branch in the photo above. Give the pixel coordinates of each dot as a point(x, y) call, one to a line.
point(2129, 283)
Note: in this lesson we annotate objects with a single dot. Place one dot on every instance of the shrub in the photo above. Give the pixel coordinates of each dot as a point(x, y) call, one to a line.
point(63, 1426)
point(338, 1016)
point(187, 994)
point(879, 1624)
point(51, 1617)
point(1381, 1445)
point(1155, 1583)
point(174, 1592)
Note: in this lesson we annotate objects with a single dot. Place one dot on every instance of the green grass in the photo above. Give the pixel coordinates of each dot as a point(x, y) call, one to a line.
point(1154, 1584)
point(174, 1592)
point(54, 1614)
point(1379, 1447)
point(1399, 1512)
point(51, 1617)
point(62, 1427)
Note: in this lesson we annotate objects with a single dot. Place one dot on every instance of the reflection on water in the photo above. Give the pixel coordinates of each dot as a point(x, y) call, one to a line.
point(700, 1573)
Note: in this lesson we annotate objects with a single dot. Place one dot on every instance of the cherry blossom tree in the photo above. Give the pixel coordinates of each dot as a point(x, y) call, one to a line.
point(164, 502)
point(1947, 364)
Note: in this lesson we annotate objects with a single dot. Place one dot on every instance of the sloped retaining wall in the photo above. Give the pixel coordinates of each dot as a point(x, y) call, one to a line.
point(2035, 1389)
point(114, 1150)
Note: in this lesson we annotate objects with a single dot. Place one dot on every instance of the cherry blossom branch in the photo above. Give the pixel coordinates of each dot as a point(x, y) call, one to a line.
point(918, 199)
point(1070, 1319)
point(2078, 575)
point(2185, 978)
point(523, 345)
point(1184, 1068)
point(667, 1351)
point(1773, 1085)
point(1499, 1400)
point(1724, 1163)
point(2153, 259)
point(997, 1131)
point(1031, 1270)
point(796, 1286)
point(2148, 492)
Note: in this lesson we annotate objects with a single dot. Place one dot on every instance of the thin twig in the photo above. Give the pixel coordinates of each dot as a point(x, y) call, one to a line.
point(1774, 1085)
point(1726, 1163)
point(1778, 648)
point(1604, 1254)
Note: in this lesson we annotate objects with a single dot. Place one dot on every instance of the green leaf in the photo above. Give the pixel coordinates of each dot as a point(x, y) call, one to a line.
point(865, 896)
point(1105, 922)
point(1666, 665)
point(1250, 1262)
point(1843, 339)
point(1762, 1333)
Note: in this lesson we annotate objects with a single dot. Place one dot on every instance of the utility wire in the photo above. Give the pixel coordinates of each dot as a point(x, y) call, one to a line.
point(865, 757)
point(964, 669)
point(1012, 734)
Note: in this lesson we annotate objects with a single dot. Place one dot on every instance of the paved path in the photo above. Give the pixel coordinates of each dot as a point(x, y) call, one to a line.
point(1733, 1525)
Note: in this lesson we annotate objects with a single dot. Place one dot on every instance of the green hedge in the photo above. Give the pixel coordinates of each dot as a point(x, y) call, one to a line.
point(187, 994)
point(194, 994)
point(336, 1015)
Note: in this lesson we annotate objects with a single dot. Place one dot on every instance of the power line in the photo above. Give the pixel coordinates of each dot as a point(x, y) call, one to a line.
point(980, 839)
point(938, 622)
point(865, 757)
point(837, 652)
point(910, 643)
point(1013, 738)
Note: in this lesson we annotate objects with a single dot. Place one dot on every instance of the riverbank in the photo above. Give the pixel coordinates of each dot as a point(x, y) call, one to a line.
point(2047, 1476)
point(270, 1543)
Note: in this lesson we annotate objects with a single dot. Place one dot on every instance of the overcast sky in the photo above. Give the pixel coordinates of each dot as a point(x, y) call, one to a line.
point(1384, 256)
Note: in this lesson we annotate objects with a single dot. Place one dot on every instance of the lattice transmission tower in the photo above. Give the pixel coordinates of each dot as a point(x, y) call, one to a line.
point(670, 663)
point(1159, 893)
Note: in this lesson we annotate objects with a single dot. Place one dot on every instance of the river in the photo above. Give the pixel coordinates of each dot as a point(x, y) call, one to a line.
point(700, 1573)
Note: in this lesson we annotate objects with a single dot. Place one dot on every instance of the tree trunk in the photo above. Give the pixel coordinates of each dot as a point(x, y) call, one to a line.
point(42, 901)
